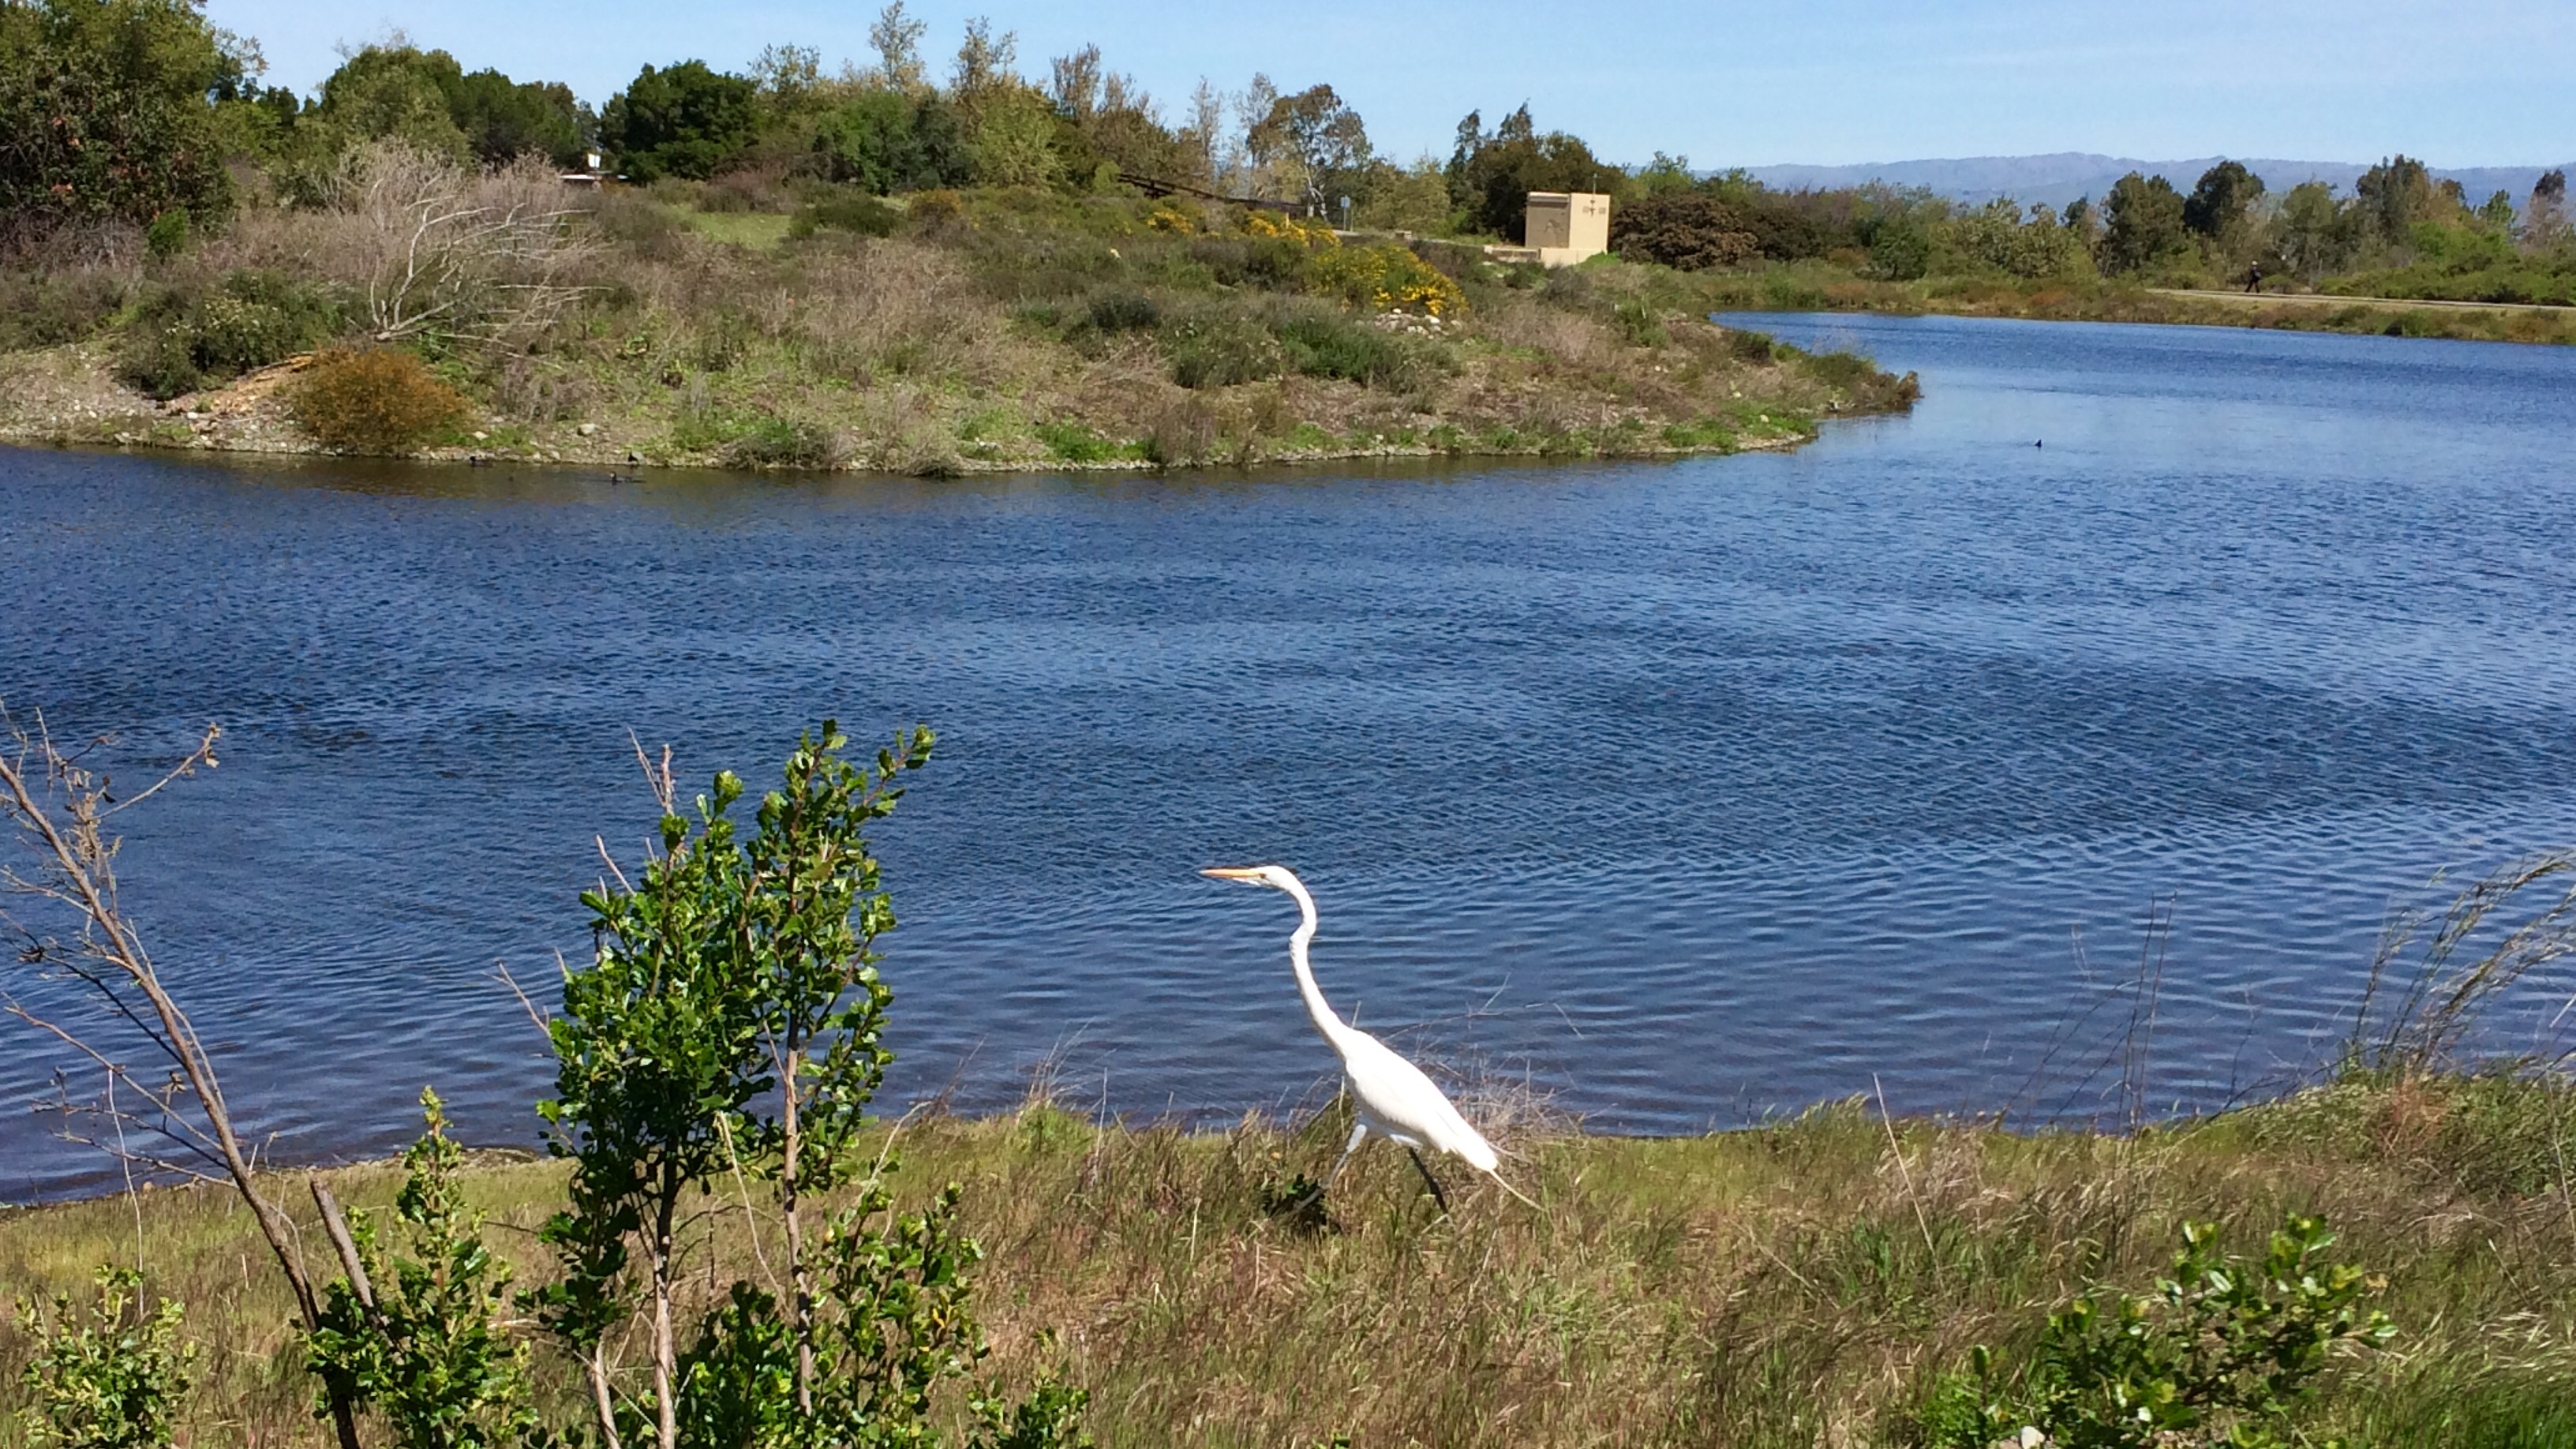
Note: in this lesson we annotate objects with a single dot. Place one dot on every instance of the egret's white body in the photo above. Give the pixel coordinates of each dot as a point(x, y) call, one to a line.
point(1392, 1096)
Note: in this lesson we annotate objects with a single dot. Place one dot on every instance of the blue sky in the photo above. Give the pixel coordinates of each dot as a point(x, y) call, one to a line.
point(2457, 82)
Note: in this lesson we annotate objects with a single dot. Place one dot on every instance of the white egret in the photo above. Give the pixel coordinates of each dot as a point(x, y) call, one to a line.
point(1392, 1096)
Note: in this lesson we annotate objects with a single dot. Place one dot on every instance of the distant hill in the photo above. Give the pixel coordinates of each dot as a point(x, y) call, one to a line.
point(2060, 178)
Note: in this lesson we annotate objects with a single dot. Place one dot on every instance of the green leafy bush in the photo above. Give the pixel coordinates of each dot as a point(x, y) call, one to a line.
point(1123, 312)
point(1074, 443)
point(48, 308)
point(187, 337)
point(1215, 350)
point(2217, 1354)
point(426, 1345)
point(1321, 344)
point(168, 235)
point(786, 443)
point(379, 400)
point(1639, 323)
point(108, 1378)
point(865, 215)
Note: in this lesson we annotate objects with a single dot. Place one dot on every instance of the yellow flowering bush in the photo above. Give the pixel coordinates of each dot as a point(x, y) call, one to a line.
point(1172, 217)
point(1383, 276)
point(1387, 277)
point(1278, 224)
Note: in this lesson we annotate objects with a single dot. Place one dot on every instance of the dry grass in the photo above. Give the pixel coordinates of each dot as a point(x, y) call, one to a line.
point(1799, 1284)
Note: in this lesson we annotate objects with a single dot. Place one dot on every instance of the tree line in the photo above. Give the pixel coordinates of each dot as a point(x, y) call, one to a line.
point(141, 111)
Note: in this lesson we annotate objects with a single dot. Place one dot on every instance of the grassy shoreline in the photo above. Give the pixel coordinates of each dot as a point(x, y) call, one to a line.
point(1818, 287)
point(1807, 1282)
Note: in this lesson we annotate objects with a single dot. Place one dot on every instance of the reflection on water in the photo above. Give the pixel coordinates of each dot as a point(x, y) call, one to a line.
point(1685, 792)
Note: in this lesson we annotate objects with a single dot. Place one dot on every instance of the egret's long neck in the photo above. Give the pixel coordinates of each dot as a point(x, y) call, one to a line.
point(1325, 1021)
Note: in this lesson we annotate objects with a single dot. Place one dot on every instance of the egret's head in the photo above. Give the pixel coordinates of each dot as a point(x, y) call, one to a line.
point(1274, 876)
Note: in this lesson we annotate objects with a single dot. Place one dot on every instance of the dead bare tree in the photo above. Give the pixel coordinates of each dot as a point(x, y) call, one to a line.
point(483, 258)
point(59, 809)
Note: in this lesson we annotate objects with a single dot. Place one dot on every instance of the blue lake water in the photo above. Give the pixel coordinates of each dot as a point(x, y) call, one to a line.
point(1682, 792)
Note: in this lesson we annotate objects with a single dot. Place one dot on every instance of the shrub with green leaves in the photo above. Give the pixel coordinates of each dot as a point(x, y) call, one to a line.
point(786, 443)
point(2219, 1353)
point(426, 1346)
point(1215, 350)
point(186, 337)
point(1322, 344)
point(730, 1025)
point(109, 1377)
point(864, 215)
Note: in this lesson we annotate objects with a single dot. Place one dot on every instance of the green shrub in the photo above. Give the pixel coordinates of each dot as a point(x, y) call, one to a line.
point(1639, 323)
point(1124, 312)
point(110, 1378)
point(168, 235)
point(428, 1347)
point(1748, 346)
point(786, 443)
point(1222, 351)
point(374, 401)
point(1846, 370)
point(1324, 345)
point(187, 337)
point(1074, 443)
point(865, 215)
point(2218, 1353)
point(47, 309)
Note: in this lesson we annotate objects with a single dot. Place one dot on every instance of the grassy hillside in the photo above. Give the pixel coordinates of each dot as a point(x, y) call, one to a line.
point(1807, 1283)
point(817, 327)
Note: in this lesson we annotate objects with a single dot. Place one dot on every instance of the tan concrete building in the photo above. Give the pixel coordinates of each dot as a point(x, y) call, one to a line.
point(1566, 227)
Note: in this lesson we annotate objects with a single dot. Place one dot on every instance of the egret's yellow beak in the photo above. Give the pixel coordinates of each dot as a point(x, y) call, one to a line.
point(1233, 872)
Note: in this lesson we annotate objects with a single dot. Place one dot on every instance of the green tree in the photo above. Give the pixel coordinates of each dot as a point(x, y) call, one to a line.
point(107, 110)
point(896, 38)
point(733, 969)
point(396, 93)
point(108, 1378)
point(2544, 217)
point(2392, 196)
point(425, 1345)
point(889, 141)
point(2313, 233)
point(1491, 176)
point(1011, 138)
point(2217, 206)
point(686, 120)
point(2145, 225)
point(2083, 222)
point(1315, 137)
point(503, 119)
point(1665, 174)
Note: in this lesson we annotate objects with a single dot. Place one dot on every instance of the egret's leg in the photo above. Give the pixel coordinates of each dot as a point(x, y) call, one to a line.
point(1358, 1131)
point(1437, 1195)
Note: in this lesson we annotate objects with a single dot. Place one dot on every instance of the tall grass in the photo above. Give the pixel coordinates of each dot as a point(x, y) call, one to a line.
point(1803, 1283)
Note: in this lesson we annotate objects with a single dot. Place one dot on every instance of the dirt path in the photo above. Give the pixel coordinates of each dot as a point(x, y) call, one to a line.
point(2317, 299)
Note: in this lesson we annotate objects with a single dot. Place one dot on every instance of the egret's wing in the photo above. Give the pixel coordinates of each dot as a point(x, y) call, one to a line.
point(1396, 1092)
